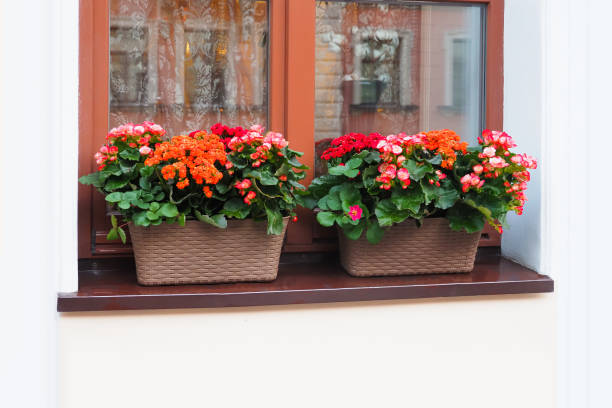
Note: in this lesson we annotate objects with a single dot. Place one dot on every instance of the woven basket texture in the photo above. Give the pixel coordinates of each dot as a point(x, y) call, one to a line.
point(408, 250)
point(201, 253)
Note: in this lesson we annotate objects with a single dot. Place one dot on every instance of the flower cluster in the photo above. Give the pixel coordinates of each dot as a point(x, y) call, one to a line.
point(496, 161)
point(194, 156)
point(446, 143)
point(400, 176)
point(228, 172)
point(129, 135)
point(350, 143)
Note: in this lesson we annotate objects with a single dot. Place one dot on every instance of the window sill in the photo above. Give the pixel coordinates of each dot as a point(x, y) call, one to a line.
point(110, 284)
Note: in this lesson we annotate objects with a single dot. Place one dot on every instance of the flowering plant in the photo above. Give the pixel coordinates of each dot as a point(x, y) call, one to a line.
point(211, 176)
point(376, 181)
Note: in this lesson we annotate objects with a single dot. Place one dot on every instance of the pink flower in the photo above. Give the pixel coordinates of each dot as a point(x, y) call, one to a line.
point(355, 212)
point(257, 128)
point(104, 149)
point(388, 169)
point(498, 162)
point(516, 159)
point(489, 151)
point(145, 150)
point(441, 176)
point(138, 130)
point(478, 169)
point(275, 139)
point(403, 174)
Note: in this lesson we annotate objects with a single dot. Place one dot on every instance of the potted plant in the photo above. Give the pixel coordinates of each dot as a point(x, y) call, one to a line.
point(423, 198)
point(206, 207)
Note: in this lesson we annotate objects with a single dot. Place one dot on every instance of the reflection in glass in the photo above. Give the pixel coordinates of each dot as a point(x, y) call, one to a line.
point(397, 67)
point(188, 64)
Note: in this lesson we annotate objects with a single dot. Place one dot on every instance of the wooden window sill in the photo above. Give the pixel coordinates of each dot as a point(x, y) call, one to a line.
point(110, 284)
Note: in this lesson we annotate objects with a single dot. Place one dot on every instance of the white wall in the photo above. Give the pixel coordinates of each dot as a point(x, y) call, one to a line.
point(576, 194)
point(522, 241)
point(38, 122)
point(465, 352)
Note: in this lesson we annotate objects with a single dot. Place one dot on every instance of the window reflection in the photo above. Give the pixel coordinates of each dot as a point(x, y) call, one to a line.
point(188, 63)
point(397, 67)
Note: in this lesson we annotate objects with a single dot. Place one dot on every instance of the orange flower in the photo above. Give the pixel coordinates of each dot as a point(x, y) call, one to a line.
point(195, 156)
point(446, 143)
point(207, 191)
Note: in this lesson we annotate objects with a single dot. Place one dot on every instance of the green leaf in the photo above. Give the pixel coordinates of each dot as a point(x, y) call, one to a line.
point(296, 184)
point(112, 234)
point(114, 221)
point(144, 183)
point(217, 220)
point(152, 216)
point(375, 232)
point(130, 154)
point(122, 235)
point(436, 160)
point(154, 206)
point(337, 170)
point(354, 163)
point(181, 219)
point(157, 221)
point(124, 205)
point(114, 197)
point(91, 179)
point(296, 164)
point(140, 219)
point(275, 221)
point(353, 231)
point(141, 204)
point(430, 191)
point(283, 169)
point(168, 210)
point(417, 172)
point(349, 196)
point(326, 219)
point(131, 195)
point(462, 217)
point(408, 200)
point(222, 188)
point(447, 196)
point(351, 173)
point(159, 196)
point(236, 208)
point(268, 180)
point(114, 183)
point(306, 201)
point(322, 203)
point(334, 202)
point(388, 214)
point(147, 171)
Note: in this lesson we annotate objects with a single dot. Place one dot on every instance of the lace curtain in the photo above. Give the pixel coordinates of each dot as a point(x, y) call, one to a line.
point(188, 64)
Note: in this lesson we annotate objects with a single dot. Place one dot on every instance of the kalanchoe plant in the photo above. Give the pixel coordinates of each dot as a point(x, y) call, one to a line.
point(374, 182)
point(233, 173)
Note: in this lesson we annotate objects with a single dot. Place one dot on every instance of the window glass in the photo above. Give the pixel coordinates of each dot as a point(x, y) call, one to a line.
point(188, 64)
point(397, 67)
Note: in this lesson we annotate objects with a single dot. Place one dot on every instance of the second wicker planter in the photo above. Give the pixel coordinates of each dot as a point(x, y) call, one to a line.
point(200, 253)
point(408, 250)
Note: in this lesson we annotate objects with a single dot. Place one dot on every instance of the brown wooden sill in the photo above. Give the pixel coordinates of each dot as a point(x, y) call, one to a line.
point(110, 284)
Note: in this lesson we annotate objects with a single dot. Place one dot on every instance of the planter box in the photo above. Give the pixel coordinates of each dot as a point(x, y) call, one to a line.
point(408, 250)
point(200, 253)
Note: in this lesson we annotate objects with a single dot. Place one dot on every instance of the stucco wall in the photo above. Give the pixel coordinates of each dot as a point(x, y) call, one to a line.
point(470, 352)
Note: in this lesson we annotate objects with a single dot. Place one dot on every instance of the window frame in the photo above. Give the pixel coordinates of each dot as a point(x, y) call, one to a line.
point(291, 105)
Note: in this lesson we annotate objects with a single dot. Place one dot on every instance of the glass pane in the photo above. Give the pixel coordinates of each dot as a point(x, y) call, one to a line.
point(188, 64)
point(397, 67)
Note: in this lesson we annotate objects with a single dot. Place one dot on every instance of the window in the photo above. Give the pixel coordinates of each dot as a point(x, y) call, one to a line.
point(310, 69)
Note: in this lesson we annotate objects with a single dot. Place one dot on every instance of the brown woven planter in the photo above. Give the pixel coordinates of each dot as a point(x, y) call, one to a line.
point(200, 253)
point(408, 250)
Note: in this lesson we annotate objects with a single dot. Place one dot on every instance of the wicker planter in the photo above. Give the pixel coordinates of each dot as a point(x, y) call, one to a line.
point(200, 253)
point(407, 250)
